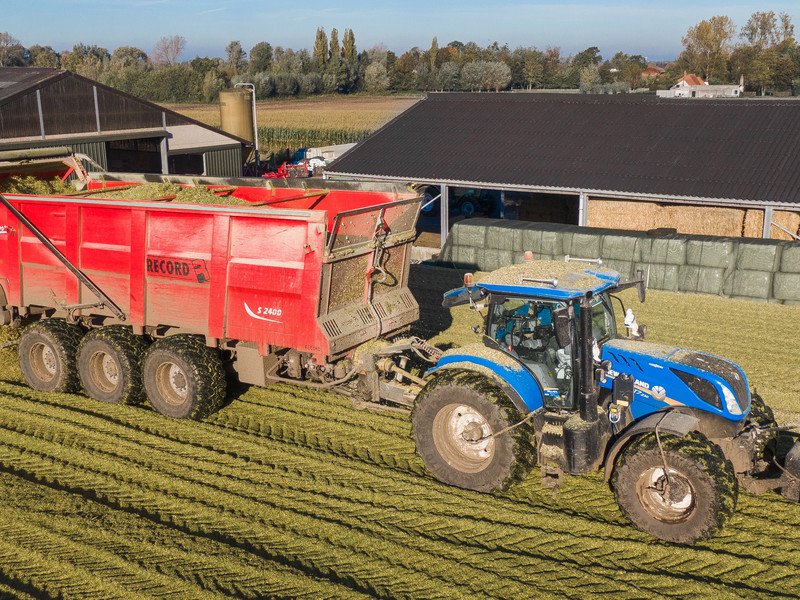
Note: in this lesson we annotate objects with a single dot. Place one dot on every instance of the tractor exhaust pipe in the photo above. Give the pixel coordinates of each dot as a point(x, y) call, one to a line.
point(588, 389)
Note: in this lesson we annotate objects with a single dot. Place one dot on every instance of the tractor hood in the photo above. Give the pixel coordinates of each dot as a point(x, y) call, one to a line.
point(670, 376)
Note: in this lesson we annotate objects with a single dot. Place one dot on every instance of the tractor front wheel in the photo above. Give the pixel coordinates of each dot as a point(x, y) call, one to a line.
point(459, 425)
point(682, 492)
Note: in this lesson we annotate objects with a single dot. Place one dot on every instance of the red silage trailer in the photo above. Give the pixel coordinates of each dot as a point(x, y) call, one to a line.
point(129, 295)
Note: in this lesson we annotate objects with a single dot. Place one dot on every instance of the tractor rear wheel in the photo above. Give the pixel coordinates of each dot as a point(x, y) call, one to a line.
point(454, 424)
point(110, 365)
point(47, 352)
point(183, 378)
point(685, 502)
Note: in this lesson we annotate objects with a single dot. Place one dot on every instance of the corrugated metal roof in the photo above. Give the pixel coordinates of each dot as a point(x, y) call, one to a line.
point(16, 80)
point(733, 149)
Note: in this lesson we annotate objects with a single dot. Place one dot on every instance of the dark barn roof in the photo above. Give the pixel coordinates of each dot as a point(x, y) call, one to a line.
point(736, 150)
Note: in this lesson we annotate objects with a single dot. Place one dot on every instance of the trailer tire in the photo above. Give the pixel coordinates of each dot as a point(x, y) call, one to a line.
point(47, 355)
point(454, 408)
point(702, 478)
point(110, 365)
point(183, 378)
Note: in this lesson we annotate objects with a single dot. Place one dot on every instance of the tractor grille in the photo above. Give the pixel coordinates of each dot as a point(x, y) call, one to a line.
point(719, 366)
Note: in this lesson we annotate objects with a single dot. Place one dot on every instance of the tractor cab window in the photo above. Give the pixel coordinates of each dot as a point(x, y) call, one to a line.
point(524, 329)
point(604, 326)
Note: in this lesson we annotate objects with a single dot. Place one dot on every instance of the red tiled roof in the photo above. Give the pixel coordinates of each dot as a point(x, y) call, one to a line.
point(652, 71)
point(691, 80)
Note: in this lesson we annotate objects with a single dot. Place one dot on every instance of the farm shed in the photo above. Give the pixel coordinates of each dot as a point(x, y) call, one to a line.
point(42, 108)
point(712, 166)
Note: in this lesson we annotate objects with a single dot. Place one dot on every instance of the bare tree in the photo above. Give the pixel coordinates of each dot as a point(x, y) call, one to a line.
point(168, 49)
point(11, 52)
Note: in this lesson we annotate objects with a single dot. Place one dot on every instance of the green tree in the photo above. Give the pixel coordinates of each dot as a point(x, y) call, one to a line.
point(260, 58)
point(349, 60)
point(761, 29)
point(707, 47)
point(126, 67)
point(320, 52)
point(236, 57)
point(376, 79)
point(12, 53)
point(589, 78)
point(43, 56)
point(433, 55)
point(89, 61)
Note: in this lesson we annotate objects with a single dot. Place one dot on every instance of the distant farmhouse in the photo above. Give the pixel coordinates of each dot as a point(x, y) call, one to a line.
point(652, 71)
point(693, 86)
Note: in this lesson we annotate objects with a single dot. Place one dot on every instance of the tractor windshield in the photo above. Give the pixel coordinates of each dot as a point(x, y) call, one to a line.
point(604, 326)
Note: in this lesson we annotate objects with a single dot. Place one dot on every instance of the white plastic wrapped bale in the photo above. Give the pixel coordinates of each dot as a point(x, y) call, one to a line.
point(758, 256)
point(790, 258)
point(582, 245)
point(664, 251)
point(660, 277)
point(749, 284)
point(710, 252)
point(702, 280)
point(621, 247)
point(786, 287)
point(543, 244)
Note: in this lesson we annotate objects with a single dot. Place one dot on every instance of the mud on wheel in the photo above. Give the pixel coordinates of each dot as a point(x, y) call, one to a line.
point(686, 502)
point(183, 378)
point(47, 352)
point(110, 364)
point(453, 423)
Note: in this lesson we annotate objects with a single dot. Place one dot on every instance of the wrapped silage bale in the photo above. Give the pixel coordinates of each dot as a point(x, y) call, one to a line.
point(471, 233)
point(701, 280)
point(500, 236)
point(581, 245)
point(786, 287)
point(710, 252)
point(660, 277)
point(749, 284)
point(495, 259)
point(664, 251)
point(543, 243)
point(623, 267)
point(758, 256)
point(621, 247)
point(790, 258)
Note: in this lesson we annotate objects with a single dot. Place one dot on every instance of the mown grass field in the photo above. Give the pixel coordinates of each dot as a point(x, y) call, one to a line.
point(290, 492)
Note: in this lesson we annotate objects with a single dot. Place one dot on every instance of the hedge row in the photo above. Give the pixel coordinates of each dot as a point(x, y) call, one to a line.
point(735, 267)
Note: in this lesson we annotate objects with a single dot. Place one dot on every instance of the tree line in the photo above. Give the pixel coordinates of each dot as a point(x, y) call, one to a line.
point(764, 51)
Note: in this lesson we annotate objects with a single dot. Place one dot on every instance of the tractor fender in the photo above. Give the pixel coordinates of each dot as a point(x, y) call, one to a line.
point(672, 422)
point(521, 386)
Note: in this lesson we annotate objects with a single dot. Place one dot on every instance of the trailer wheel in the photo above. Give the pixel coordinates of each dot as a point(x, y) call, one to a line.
point(47, 352)
point(183, 378)
point(697, 498)
point(110, 365)
point(453, 423)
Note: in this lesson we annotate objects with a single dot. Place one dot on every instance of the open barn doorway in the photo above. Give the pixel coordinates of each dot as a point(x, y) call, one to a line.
point(466, 203)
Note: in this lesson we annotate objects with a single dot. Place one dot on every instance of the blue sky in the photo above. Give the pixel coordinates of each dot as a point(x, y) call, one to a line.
point(650, 28)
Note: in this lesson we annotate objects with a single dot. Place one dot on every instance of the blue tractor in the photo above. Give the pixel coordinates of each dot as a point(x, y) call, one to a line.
point(676, 432)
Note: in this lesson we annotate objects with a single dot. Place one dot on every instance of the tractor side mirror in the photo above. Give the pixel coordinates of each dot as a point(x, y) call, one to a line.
point(561, 324)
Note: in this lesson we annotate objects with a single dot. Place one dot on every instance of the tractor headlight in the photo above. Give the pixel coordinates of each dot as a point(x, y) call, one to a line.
point(730, 401)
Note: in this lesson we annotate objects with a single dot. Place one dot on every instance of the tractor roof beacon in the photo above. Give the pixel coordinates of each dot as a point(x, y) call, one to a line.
point(677, 432)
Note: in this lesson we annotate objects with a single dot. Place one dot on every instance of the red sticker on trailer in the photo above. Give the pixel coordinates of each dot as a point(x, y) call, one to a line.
point(192, 269)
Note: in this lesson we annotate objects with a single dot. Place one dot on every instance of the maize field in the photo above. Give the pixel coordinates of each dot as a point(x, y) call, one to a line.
point(289, 492)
